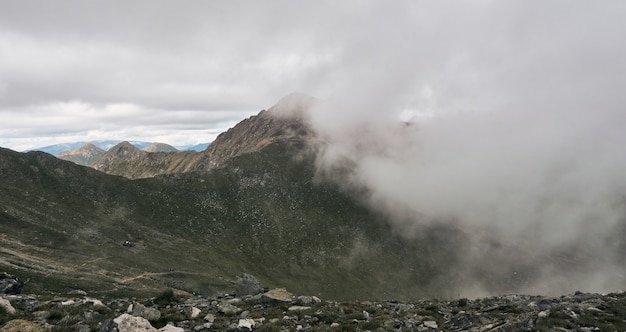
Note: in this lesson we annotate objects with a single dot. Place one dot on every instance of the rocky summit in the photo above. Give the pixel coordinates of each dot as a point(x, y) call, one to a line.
point(279, 310)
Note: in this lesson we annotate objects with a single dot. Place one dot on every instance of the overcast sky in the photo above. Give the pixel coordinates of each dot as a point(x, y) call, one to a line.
point(181, 72)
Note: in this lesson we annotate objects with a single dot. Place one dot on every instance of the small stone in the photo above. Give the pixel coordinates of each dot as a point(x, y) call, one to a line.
point(247, 323)
point(430, 324)
point(298, 308)
point(4, 303)
point(171, 328)
point(209, 318)
point(543, 314)
point(194, 313)
point(95, 302)
point(228, 308)
point(305, 300)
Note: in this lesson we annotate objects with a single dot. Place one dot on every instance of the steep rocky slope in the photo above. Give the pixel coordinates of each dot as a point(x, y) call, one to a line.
point(65, 226)
point(285, 121)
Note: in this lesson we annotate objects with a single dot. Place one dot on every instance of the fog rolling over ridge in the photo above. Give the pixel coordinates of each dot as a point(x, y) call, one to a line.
point(521, 146)
point(550, 190)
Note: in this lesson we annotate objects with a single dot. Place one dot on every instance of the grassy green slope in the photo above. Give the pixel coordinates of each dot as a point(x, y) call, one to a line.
point(63, 227)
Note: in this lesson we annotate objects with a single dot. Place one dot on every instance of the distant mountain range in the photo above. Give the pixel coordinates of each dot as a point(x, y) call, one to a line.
point(105, 145)
point(253, 202)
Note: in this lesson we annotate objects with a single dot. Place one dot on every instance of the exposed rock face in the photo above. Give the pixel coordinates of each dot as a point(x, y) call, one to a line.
point(286, 121)
point(10, 284)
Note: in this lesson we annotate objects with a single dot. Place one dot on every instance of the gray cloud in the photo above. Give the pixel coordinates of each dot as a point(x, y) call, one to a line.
point(517, 134)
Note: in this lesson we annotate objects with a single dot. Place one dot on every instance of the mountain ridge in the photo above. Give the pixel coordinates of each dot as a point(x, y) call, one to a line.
point(285, 121)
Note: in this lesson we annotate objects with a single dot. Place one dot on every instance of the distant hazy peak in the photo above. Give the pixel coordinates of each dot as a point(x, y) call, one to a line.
point(124, 145)
point(85, 154)
point(123, 150)
point(84, 149)
point(159, 147)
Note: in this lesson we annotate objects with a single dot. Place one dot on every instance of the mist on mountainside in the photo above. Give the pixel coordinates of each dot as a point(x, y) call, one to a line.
point(518, 143)
point(539, 184)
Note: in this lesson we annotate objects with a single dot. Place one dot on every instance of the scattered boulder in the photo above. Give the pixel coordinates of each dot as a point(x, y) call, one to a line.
point(10, 284)
point(129, 323)
point(247, 284)
point(140, 310)
point(209, 318)
point(304, 300)
point(193, 312)
point(246, 323)
point(580, 312)
point(228, 308)
point(278, 294)
point(298, 308)
point(430, 324)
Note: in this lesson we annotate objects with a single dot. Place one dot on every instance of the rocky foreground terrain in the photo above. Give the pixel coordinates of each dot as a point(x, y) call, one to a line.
point(254, 308)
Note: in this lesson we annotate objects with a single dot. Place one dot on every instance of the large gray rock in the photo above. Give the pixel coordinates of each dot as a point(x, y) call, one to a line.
point(279, 294)
point(10, 284)
point(247, 284)
point(129, 323)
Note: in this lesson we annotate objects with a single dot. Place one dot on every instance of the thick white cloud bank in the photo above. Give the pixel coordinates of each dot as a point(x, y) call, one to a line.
point(517, 132)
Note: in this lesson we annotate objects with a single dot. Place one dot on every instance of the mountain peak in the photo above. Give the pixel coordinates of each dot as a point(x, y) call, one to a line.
point(84, 155)
point(124, 149)
point(286, 121)
point(295, 104)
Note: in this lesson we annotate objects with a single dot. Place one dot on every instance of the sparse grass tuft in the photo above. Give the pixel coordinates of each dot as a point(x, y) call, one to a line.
point(166, 297)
